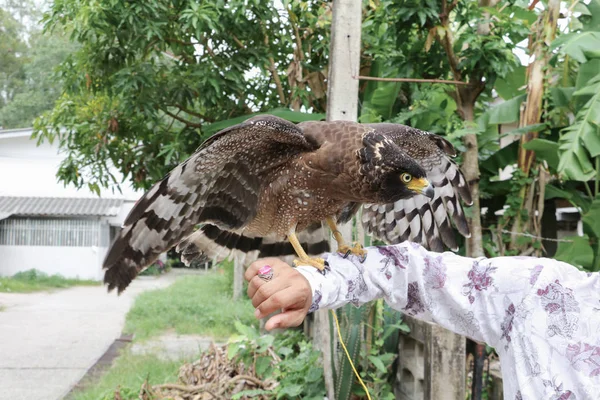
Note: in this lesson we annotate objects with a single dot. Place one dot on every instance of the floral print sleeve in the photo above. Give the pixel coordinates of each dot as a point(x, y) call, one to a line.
point(541, 315)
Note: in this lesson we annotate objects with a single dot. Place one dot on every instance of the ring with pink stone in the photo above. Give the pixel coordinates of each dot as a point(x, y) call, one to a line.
point(265, 273)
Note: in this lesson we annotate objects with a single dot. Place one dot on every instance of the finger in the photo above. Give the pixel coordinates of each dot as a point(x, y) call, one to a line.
point(285, 298)
point(254, 284)
point(252, 270)
point(287, 319)
point(265, 290)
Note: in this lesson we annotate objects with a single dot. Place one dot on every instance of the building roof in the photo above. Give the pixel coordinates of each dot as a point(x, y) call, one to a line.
point(58, 206)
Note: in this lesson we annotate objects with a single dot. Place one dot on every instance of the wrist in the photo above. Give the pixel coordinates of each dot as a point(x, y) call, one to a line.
point(315, 280)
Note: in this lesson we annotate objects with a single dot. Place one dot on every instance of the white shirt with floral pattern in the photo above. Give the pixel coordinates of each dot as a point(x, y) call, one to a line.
point(541, 315)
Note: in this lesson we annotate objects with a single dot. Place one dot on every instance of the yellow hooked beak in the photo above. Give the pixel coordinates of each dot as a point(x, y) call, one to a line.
point(421, 186)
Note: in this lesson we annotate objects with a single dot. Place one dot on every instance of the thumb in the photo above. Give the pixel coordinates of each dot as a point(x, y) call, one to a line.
point(286, 319)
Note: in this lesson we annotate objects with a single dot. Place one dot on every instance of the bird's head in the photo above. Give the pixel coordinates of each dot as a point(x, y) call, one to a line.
point(393, 174)
point(405, 181)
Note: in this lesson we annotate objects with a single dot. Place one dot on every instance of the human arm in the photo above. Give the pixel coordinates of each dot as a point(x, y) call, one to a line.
point(473, 297)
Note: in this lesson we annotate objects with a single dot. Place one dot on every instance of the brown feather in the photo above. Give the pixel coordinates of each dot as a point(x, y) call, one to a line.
point(253, 183)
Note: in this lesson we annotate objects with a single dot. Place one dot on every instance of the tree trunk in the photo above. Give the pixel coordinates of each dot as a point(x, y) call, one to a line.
point(539, 47)
point(470, 168)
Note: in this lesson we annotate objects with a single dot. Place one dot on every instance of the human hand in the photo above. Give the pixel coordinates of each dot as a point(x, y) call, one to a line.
point(288, 291)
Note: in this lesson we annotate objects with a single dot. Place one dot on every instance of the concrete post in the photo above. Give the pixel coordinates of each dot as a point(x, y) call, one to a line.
point(238, 276)
point(342, 104)
point(431, 363)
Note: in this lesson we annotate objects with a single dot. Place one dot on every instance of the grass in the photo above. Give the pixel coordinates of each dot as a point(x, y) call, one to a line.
point(129, 372)
point(34, 280)
point(192, 305)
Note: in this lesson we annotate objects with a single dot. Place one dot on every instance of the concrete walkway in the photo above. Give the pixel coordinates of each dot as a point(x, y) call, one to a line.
point(49, 340)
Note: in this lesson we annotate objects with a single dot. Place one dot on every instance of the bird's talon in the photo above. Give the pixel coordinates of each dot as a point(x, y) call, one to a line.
point(357, 250)
point(315, 262)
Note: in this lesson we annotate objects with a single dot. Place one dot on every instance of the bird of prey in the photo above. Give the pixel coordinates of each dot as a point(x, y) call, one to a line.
point(254, 185)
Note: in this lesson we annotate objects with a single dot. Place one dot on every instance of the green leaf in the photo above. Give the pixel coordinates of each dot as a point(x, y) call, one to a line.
point(581, 8)
point(577, 252)
point(262, 365)
point(290, 390)
point(247, 331)
point(513, 84)
point(580, 141)
point(552, 192)
point(314, 374)
point(506, 112)
point(562, 95)
point(592, 218)
point(500, 159)
point(545, 150)
point(233, 349)
point(571, 194)
point(592, 228)
point(526, 129)
point(378, 364)
point(587, 71)
point(379, 97)
point(576, 44)
point(591, 20)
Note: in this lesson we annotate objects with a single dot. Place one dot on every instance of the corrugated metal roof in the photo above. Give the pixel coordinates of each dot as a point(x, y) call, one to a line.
point(58, 206)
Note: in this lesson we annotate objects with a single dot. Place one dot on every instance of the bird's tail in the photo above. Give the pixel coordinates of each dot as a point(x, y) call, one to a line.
point(213, 243)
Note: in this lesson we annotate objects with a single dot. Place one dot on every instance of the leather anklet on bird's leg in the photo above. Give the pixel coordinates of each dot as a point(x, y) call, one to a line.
point(343, 248)
point(304, 259)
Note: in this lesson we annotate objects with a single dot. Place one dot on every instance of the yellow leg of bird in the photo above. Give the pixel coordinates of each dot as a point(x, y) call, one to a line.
point(304, 259)
point(343, 248)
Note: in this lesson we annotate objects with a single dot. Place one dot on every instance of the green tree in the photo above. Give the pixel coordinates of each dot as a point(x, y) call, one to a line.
point(12, 56)
point(28, 58)
point(39, 86)
point(152, 80)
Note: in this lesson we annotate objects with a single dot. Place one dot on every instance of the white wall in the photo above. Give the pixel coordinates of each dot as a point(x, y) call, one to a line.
point(70, 262)
point(30, 170)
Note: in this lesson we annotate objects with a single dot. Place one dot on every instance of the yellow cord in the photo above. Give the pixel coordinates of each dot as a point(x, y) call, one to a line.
point(337, 324)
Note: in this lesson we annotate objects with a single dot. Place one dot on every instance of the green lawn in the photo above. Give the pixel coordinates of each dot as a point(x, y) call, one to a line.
point(129, 373)
point(192, 305)
point(199, 304)
point(34, 280)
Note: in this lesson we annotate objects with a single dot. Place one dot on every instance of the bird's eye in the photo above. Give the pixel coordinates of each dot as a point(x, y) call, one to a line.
point(406, 177)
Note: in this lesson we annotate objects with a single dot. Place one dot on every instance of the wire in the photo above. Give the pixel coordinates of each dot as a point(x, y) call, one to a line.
point(337, 325)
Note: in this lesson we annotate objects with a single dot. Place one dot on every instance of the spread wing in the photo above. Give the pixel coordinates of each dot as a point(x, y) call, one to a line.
point(419, 219)
point(220, 184)
point(212, 243)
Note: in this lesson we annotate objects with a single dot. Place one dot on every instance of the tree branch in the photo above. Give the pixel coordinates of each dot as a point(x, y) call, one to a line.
point(194, 113)
point(416, 80)
point(204, 43)
point(173, 40)
point(274, 74)
point(238, 42)
point(446, 41)
point(178, 118)
point(533, 4)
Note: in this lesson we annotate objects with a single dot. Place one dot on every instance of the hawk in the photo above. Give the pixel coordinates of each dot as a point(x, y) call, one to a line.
point(254, 185)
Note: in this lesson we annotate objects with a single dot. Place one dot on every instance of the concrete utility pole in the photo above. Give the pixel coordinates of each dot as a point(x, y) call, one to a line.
point(344, 61)
point(342, 104)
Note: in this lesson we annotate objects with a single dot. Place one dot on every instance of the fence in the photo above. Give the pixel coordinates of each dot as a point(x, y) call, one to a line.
point(49, 232)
